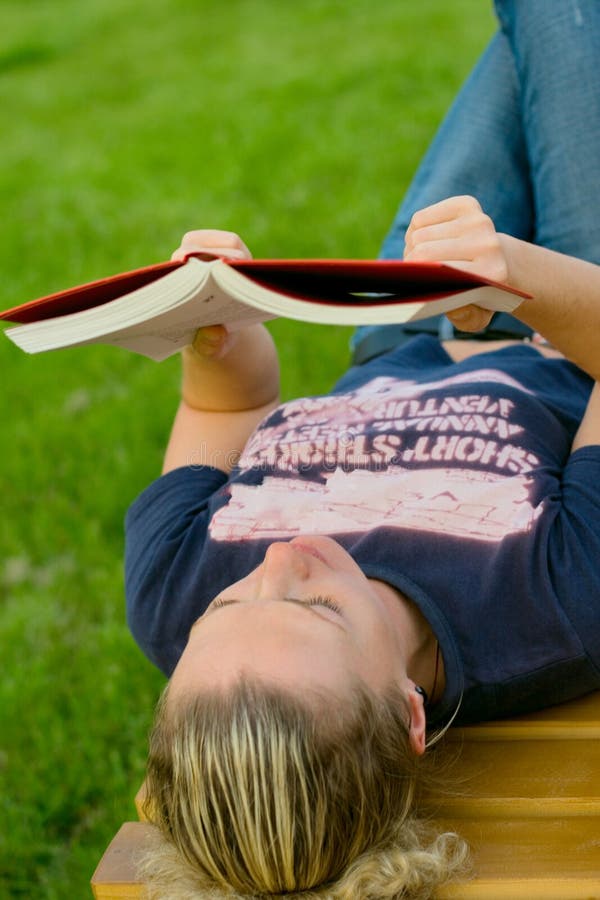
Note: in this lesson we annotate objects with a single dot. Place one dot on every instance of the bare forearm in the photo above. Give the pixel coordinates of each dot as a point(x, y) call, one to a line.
point(200, 438)
point(565, 303)
point(228, 386)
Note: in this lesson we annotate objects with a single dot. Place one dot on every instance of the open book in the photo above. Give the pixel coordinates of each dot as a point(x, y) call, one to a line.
point(156, 310)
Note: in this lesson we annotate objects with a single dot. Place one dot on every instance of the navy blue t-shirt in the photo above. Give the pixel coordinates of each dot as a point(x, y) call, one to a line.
point(453, 482)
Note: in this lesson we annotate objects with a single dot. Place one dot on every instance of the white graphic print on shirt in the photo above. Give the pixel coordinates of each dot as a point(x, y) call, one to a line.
point(386, 455)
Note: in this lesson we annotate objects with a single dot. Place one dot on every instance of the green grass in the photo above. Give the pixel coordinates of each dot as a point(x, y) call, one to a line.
point(125, 124)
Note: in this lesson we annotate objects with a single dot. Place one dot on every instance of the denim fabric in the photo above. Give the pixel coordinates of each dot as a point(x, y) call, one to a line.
point(523, 135)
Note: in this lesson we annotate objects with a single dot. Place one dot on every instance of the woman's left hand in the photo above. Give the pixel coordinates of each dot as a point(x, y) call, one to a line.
point(458, 233)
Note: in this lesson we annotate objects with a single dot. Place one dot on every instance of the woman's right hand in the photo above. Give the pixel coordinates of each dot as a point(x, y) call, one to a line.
point(223, 370)
point(214, 341)
point(207, 240)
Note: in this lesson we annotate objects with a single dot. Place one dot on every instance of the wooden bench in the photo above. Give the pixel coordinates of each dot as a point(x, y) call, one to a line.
point(528, 804)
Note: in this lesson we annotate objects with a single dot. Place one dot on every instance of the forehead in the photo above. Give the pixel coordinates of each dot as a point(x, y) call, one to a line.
point(263, 634)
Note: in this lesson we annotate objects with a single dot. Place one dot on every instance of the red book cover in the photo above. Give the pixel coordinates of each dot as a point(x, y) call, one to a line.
point(85, 296)
point(320, 280)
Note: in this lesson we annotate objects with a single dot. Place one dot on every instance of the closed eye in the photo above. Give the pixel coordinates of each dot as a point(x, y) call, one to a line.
point(311, 601)
point(324, 601)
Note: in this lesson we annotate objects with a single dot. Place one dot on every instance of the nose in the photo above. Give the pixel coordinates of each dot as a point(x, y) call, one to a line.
point(283, 571)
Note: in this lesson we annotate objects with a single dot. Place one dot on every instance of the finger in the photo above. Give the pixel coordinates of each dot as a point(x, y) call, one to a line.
point(212, 341)
point(210, 238)
point(457, 250)
point(182, 253)
point(450, 208)
point(219, 243)
point(489, 269)
point(475, 226)
point(482, 257)
point(429, 233)
point(470, 317)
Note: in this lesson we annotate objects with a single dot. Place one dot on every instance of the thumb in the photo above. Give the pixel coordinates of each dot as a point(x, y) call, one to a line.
point(470, 317)
point(212, 341)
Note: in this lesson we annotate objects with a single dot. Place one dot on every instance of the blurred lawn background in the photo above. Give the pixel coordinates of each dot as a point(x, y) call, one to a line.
point(125, 124)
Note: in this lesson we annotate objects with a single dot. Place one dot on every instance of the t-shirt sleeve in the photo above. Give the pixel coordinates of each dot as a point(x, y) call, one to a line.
point(165, 530)
point(574, 552)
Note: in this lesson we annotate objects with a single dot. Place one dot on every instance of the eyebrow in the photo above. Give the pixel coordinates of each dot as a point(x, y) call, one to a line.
point(307, 606)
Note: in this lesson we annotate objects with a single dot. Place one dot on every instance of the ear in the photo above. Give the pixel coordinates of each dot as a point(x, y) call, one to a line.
point(418, 722)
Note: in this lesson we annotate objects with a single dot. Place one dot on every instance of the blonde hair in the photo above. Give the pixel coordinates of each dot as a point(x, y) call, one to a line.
point(258, 794)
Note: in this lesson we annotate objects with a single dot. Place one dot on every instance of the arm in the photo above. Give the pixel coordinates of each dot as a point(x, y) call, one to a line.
point(565, 303)
point(230, 381)
point(223, 399)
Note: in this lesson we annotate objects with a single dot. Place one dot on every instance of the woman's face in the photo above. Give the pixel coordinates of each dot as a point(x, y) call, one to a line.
point(278, 623)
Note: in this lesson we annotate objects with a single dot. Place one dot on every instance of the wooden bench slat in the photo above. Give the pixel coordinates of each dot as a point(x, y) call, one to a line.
point(115, 877)
point(553, 859)
point(557, 859)
point(545, 778)
point(540, 889)
point(577, 720)
point(516, 808)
